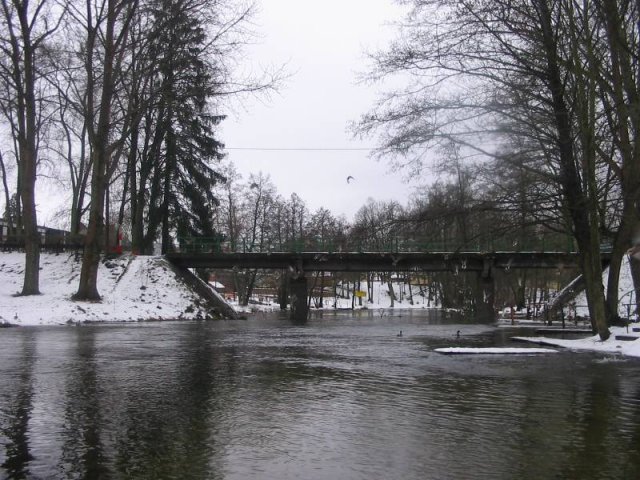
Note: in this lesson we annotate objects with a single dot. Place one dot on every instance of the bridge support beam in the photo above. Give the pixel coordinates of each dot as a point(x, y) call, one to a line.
point(485, 294)
point(298, 298)
point(283, 291)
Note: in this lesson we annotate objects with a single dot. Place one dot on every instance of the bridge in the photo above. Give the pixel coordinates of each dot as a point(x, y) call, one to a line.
point(297, 264)
point(376, 261)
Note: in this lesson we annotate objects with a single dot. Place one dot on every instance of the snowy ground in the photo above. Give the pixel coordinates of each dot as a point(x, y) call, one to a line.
point(132, 288)
point(612, 345)
point(629, 348)
point(625, 292)
point(493, 351)
point(380, 300)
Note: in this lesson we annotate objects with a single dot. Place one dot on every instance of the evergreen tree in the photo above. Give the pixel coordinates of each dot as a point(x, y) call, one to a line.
point(186, 126)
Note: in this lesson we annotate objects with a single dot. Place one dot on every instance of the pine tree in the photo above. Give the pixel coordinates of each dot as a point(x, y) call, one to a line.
point(187, 84)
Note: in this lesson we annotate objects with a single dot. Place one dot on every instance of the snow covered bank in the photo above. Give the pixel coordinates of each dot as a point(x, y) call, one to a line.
point(626, 294)
point(493, 351)
point(132, 287)
point(629, 348)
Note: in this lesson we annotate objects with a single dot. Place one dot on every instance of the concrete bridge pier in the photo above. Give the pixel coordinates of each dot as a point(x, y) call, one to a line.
point(298, 298)
point(486, 293)
point(283, 291)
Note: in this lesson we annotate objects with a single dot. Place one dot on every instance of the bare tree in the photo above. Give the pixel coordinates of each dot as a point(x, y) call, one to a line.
point(8, 217)
point(257, 208)
point(26, 27)
point(614, 62)
point(477, 64)
point(106, 27)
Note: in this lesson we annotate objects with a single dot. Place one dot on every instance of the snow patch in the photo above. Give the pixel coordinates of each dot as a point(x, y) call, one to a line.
point(613, 345)
point(493, 351)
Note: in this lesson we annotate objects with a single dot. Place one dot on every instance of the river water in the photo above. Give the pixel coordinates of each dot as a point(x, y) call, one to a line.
point(341, 397)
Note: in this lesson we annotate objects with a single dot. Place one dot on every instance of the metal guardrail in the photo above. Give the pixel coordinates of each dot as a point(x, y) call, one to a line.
point(631, 304)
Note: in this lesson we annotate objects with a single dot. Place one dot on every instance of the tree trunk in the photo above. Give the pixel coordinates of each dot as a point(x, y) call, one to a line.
point(166, 194)
point(81, 178)
point(241, 281)
point(613, 279)
point(321, 300)
point(24, 78)
point(624, 121)
point(138, 186)
point(353, 297)
point(31, 284)
point(312, 289)
point(251, 283)
point(582, 210)
point(410, 289)
point(392, 295)
point(7, 196)
point(88, 287)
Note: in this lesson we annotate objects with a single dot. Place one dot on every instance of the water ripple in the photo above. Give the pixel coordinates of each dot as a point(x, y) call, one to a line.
point(338, 398)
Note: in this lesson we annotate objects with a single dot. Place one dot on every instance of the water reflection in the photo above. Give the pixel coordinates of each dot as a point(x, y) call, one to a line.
point(339, 397)
point(82, 453)
point(16, 406)
point(596, 416)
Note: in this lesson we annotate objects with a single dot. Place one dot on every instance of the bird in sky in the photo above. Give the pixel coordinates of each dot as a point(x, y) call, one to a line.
point(350, 178)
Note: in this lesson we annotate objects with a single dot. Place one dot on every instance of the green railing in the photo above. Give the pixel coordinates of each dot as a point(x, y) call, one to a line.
point(200, 244)
point(390, 245)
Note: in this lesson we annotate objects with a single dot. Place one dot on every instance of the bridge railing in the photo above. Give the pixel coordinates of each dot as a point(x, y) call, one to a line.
point(397, 244)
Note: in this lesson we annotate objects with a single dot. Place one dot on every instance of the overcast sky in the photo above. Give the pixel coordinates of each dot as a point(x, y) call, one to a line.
point(324, 45)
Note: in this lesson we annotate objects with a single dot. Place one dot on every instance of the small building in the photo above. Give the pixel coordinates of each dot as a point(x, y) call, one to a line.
point(216, 285)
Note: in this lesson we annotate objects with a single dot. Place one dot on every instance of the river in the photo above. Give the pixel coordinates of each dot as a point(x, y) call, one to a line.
point(341, 397)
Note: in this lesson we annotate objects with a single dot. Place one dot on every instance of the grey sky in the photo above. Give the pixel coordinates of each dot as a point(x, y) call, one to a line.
point(324, 44)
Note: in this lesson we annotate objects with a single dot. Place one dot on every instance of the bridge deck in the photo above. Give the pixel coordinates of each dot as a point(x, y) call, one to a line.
point(376, 261)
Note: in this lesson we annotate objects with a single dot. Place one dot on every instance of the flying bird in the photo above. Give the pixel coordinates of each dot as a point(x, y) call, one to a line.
point(350, 178)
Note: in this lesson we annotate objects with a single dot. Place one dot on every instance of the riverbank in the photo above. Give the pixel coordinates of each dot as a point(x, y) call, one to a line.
point(621, 342)
point(133, 288)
